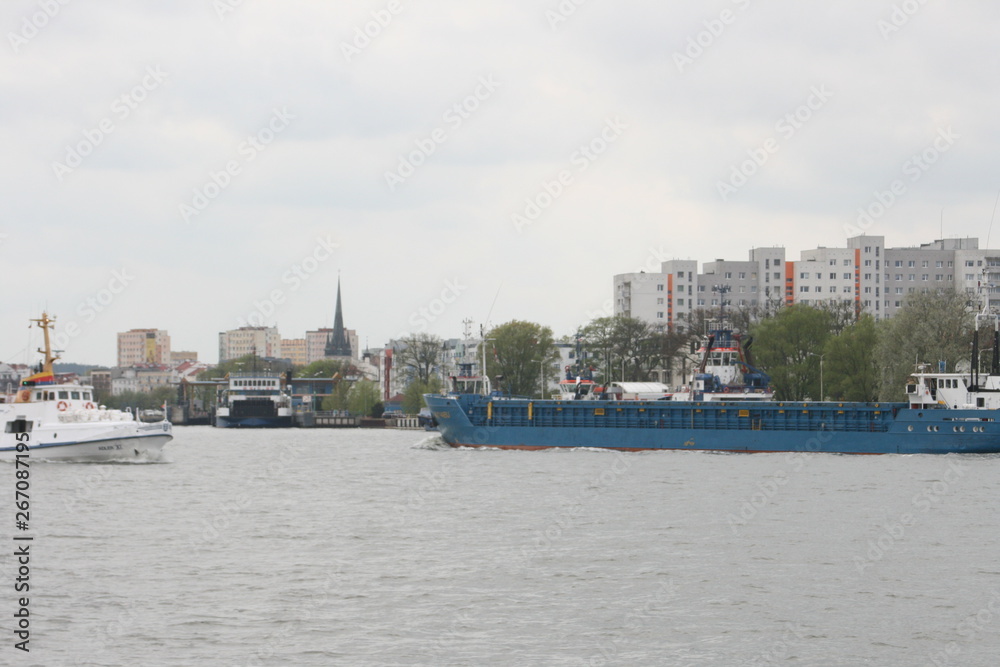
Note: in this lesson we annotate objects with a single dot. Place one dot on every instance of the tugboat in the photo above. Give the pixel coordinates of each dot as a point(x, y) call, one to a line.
point(63, 422)
point(726, 371)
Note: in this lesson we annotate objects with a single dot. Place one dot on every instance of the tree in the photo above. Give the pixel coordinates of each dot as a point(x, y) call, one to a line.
point(598, 337)
point(327, 368)
point(413, 396)
point(635, 348)
point(787, 348)
point(337, 400)
point(523, 353)
point(242, 364)
point(139, 400)
point(851, 370)
point(362, 398)
point(419, 354)
point(930, 327)
point(843, 314)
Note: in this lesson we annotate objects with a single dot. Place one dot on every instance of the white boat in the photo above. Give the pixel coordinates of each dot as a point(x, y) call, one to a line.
point(63, 421)
point(254, 399)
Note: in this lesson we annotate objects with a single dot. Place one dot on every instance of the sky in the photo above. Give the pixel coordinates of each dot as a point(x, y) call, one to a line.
point(199, 165)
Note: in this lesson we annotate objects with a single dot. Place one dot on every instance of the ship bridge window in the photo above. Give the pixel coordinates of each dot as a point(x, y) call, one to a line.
point(63, 394)
point(75, 395)
point(86, 395)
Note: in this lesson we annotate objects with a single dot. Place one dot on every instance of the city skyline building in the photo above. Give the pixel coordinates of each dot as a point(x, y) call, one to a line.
point(262, 341)
point(874, 278)
point(139, 347)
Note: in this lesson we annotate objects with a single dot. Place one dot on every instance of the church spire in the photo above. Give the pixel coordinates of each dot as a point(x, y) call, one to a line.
point(337, 344)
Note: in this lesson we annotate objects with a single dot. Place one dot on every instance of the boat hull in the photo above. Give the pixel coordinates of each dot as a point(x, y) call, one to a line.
point(846, 428)
point(144, 445)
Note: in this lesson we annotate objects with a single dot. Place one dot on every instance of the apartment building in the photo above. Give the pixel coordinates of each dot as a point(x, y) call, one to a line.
point(139, 347)
point(262, 341)
point(875, 278)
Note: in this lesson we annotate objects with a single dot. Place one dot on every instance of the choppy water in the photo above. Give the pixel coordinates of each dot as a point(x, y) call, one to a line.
point(322, 547)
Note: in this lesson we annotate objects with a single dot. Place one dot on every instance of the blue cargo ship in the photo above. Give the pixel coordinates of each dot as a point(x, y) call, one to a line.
point(944, 413)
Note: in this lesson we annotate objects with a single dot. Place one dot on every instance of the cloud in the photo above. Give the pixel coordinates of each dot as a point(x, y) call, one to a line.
point(559, 83)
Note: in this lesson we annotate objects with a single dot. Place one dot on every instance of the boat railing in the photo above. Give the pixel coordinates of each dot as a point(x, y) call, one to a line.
point(86, 416)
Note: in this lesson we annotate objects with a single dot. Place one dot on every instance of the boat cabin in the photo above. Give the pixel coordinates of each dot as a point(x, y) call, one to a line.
point(952, 390)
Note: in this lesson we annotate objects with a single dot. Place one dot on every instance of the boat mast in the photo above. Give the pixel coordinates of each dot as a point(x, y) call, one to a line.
point(984, 315)
point(45, 323)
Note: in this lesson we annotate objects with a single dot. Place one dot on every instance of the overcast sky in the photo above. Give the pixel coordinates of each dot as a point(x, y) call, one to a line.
point(198, 164)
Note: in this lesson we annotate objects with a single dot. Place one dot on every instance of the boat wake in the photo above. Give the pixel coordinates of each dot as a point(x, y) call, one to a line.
point(142, 458)
point(432, 441)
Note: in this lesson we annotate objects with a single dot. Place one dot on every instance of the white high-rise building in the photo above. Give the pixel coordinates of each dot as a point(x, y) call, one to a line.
point(876, 279)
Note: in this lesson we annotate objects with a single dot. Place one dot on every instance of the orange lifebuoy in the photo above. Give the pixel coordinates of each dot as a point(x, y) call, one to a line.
point(89, 406)
point(62, 405)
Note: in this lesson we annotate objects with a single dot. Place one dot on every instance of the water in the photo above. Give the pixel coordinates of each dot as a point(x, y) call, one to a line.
point(326, 547)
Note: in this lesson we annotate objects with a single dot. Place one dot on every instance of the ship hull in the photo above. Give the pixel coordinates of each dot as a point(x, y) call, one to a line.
point(845, 428)
point(253, 422)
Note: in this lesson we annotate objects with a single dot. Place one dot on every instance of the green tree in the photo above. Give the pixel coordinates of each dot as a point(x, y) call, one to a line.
point(362, 398)
point(851, 370)
point(598, 338)
point(524, 354)
point(787, 348)
point(338, 399)
point(413, 397)
point(930, 327)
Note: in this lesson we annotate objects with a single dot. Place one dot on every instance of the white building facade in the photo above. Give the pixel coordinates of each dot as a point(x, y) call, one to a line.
point(865, 273)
